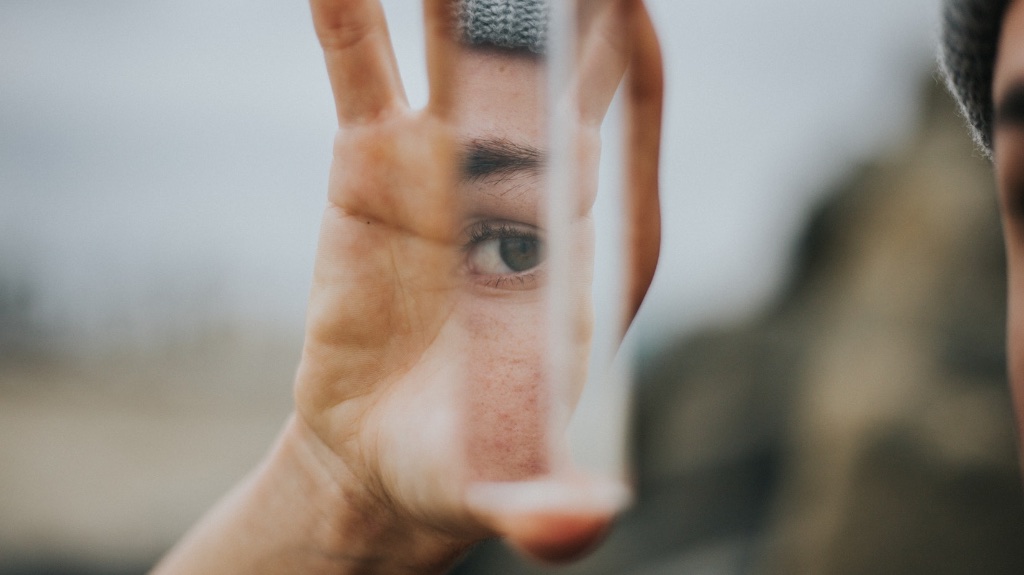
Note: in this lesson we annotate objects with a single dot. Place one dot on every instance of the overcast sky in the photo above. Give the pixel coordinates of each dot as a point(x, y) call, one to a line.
point(167, 160)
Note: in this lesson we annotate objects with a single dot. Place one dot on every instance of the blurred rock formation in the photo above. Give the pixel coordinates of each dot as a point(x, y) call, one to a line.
point(901, 451)
point(860, 425)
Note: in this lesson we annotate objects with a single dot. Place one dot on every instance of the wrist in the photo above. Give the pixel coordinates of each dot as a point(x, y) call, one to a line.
point(347, 525)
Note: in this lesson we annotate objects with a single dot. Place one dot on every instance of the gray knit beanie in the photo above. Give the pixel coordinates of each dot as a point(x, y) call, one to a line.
point(509, 24)
point(970, 37)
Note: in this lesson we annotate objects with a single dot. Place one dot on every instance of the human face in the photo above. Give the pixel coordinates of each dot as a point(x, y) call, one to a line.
point(500, 125)
point(1008, 148)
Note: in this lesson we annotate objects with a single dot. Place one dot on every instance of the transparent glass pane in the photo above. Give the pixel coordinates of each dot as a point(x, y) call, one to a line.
point(540, 211)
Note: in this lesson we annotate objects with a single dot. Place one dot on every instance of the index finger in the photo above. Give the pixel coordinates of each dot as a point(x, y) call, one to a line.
point(360, 61)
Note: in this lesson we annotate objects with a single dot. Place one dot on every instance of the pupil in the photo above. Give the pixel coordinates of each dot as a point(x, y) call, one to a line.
point(519, 254)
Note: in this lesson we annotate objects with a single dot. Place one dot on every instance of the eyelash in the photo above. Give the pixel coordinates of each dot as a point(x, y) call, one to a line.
point(483, 231)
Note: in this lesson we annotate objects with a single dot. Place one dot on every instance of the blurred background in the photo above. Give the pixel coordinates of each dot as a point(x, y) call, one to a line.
point(820, 381)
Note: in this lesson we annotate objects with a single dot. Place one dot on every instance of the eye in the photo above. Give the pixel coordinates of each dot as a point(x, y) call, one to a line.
point(503, 254)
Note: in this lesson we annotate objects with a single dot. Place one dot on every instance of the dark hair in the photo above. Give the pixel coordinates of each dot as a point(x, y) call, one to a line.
point(970, 39)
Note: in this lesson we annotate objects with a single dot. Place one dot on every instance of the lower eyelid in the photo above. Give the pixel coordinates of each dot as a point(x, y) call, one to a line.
point(511, 282)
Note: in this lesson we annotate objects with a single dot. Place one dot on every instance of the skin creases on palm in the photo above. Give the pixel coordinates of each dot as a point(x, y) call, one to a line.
point(422, 398)
point(380, 324)
point(415, 387)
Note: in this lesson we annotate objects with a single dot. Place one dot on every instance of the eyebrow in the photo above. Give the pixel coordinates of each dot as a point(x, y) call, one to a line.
point(482, 158)
point(1010, 111)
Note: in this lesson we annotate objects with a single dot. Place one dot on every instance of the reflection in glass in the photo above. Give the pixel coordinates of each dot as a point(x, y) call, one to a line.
point(529, 115)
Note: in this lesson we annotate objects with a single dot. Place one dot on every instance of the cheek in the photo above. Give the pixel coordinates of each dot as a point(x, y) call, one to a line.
point(508, 421)
point(506, 409)
point(507, 397)
point(1015, 330)
point(1007, 151)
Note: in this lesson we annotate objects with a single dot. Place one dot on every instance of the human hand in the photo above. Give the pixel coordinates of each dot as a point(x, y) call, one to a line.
point(405, 288)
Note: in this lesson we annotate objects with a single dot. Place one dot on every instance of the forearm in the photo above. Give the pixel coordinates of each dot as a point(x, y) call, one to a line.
point(294, 514)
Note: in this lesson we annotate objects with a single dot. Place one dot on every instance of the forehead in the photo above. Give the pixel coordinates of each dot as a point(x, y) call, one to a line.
point(499, 94)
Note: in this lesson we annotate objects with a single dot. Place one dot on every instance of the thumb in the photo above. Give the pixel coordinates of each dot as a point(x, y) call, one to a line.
point(553, 520)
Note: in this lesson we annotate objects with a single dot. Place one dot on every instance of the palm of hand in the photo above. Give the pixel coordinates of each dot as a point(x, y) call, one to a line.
point(379, 365)
point(378, 384)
